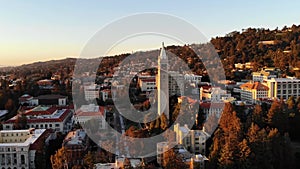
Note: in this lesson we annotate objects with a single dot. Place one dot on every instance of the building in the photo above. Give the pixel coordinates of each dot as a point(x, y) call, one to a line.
point(120, 162)
point(75, 144)
point(26, 99)
point(214, 94)
point(44, 117)
point(193, 140)
point(161, 148)
point(253, 91)
point(3, 114)
point(49, 99)
point(192, 78)
point(91, 92)
point(162, 82)
point(194, 161)
point(283, 87)
point(45, 84)
point(105, 94)
point(147, 83)
point(176, 83)
point(198, 162)
point(212, 108)
point(264, 75)
point(91, 111)
point(18, 147)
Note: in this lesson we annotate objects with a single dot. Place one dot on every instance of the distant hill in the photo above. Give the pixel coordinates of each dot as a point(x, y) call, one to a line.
point(261, 47)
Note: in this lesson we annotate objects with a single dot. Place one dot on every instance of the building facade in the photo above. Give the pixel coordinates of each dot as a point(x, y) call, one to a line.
point(16, 148)
point(44, 117)
point(147, 83)
point(193, 140)
point(91, 92)
point(91, 111)
point(253, 91)
point(283, 87)
point(75, 144)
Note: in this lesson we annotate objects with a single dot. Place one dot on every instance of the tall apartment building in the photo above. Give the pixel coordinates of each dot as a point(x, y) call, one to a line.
point(91, 92)
point(17, 148)
point(193, 140)
point(283, 87)
point(192, 78)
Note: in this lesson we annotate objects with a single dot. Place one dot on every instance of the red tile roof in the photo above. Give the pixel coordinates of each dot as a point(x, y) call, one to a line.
point(36, 111)
point(79, 112)
point(212, 105)
point(43, 120)
point(255, 86)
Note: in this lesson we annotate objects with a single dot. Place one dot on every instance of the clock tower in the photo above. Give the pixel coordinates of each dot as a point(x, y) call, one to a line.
point(162, 82)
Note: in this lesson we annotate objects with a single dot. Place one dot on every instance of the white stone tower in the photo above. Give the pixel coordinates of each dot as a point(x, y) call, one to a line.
point(162, 82)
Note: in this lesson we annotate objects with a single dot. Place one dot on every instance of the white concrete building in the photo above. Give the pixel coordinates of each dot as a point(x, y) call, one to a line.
point(176, 83)
point(193, 140)
point(198, 162)
point(192, 78)
point(16, 148)
point(91, 92)
point(91, 111)
point(214, 94)
point(283, 87)
point(105, 94)
point(161, 148)
point(252, 92)
point(264, 75)
point(45, 117)
point(147, 83)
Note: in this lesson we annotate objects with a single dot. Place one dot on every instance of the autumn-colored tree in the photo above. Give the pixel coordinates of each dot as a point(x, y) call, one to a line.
point(127, 164)
point(21, 122)
point(9, 105)
point(277, 116)
point(59, 159)
point(258, 116)
point(88, 160)
point(173, 161)
point(163, 122)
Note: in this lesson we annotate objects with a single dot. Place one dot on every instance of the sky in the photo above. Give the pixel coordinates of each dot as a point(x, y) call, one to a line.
point(35, 30)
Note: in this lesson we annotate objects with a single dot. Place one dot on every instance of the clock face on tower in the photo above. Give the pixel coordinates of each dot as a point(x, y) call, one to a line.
point(163, 66)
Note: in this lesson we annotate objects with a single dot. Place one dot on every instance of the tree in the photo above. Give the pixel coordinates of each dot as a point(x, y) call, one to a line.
point(257, 116)
point(163, 121)
point(127, 164)
point(244, 153)
point(291, 103)
point(253, 135)
point(173, 161)
point(88, 160)
point(277, 116)
point(59, 159)
point(21, 122)
point(9, 105)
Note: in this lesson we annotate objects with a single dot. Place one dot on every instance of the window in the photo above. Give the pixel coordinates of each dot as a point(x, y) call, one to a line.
point(22, 159)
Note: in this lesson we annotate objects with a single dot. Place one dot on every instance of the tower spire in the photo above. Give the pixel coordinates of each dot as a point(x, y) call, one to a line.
point(162, 82)
point(163, 54)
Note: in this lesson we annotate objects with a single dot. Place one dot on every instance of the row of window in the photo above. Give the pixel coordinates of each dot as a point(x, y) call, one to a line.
point(288, 86)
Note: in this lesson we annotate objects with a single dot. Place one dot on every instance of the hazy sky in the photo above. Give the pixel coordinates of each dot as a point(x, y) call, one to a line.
point(34, 30)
